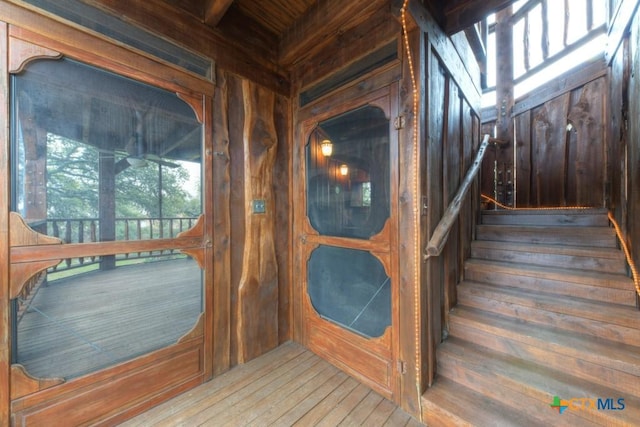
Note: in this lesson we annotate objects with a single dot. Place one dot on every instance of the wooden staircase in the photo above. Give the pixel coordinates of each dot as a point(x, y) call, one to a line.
point(546, 309)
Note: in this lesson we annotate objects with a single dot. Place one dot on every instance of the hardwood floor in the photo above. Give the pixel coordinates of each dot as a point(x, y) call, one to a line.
point(289, 386)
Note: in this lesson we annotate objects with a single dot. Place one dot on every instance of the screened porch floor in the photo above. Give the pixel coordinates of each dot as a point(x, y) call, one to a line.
point(93, 320)
point(285, 387)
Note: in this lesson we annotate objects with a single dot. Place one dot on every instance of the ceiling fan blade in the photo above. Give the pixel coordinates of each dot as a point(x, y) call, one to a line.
point(159, 160)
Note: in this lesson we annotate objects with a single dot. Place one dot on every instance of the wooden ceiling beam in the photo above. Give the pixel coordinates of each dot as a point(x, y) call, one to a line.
point(214, 10)
point(464, 13)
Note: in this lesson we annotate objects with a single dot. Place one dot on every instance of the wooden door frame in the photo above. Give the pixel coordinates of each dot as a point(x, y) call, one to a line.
point(334, 106)
point(27, 35)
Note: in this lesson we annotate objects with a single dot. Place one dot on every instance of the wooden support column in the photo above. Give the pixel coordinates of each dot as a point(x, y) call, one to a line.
point(35, 152)
point(107, 205)
point(504, 74)
point(505, 101)
point(257, 306)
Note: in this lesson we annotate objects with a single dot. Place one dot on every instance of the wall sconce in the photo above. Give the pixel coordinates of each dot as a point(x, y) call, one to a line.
point(327, 147)
point(344, 170)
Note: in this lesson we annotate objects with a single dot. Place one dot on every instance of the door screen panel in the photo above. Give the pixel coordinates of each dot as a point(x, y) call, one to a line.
point(97, 158)
point(348, 174)
point(80, 323)
point(349, 287)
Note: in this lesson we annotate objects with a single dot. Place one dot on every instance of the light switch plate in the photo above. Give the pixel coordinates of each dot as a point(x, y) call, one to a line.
point(259, 206)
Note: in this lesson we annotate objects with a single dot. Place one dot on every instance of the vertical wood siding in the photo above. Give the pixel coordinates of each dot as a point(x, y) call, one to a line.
point(561, 155)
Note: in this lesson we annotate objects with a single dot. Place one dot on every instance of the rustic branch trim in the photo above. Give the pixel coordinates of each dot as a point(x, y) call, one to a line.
point(23, 384)
point(196, 332)
point(22, 52)
point(21, 273)
point(23, 235)
point(195, 102)
point(196, 231)
point(441, 232)
point(198, 254)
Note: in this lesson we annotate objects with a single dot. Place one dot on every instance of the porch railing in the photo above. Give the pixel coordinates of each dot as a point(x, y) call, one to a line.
point(87, 230)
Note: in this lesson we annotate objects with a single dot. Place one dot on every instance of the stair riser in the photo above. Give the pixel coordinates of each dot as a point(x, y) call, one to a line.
point(568, 220)
point(590, 263)
point(516, 395)
point(533, 380)
point(604, 238)
point(567, 322)
point(595, 293)
point(554, 358)
point(436, 416)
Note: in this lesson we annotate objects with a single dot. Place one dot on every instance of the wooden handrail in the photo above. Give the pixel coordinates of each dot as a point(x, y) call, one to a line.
point(441, 233)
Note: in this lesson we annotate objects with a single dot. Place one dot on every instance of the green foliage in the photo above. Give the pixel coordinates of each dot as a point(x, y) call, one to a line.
point(73, 185)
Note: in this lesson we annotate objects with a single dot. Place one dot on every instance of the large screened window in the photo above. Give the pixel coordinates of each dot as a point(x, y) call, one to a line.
point(101, 158)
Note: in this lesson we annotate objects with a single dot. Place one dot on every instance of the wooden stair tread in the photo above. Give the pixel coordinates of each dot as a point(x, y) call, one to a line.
point(602, 259)
point(609, 280)
point(561, 211)
point(615, 314)
point(447, 403)
point(546, 309)
point(549, 229)
point(468, 361)
point(607, 253)
point(551, 235)
point(606, 353)
point(566, 217)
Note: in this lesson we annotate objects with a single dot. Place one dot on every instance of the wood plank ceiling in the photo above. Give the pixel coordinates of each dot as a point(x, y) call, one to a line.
point(277, 17)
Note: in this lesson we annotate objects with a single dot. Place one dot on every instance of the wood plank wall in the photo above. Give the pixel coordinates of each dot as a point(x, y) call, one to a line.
point(454, 130)
point(633, 146)
point(554, 165)
point(450, 139)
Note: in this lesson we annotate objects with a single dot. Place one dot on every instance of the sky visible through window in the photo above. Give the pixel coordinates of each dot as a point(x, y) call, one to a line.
point(577, 29)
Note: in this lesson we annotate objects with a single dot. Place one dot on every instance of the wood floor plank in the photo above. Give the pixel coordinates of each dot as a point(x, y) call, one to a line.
point(294, 395)
point(285, 387)
point(251, 392)
point(381, 413)
point(362, 411)
point(221, 387)
point(345, 407)
point(272, 394)
point(327, 404)
point(398, 418)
